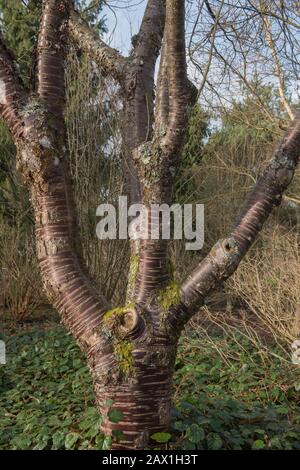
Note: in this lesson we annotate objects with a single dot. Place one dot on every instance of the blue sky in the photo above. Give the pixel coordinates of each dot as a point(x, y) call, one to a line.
point(123, 19)
point(123, 22)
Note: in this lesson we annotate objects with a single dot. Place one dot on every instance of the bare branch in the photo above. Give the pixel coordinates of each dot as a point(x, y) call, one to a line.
point(277, 66)
point(110, 60)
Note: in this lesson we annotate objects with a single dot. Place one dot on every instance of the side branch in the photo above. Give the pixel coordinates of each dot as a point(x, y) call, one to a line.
point(177, 68)
point(110, 60)
point(139, 83)
point(226, 255)
point(12, 92)
point(42, 160)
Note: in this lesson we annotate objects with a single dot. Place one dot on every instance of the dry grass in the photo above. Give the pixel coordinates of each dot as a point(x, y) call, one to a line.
point(268, 282)
point(21, 290)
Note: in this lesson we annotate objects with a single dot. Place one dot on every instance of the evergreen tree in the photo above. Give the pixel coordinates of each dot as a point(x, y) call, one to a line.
point(19, 24)
point(197, 132)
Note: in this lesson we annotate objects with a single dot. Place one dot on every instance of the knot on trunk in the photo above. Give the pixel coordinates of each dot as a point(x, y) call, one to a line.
point(122, 322)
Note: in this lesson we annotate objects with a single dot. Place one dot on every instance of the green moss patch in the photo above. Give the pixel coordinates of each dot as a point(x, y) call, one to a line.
point(123, 352)
point(169, 296)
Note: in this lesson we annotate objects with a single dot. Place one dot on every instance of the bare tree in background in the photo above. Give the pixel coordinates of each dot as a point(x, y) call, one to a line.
point(256, 44)
point(130, 350)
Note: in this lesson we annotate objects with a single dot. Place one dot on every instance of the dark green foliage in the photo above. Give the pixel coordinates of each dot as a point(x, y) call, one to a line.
point(47, 402)
point(246, 404)
point(46, 396)
point(192, 154)
point(19, 25)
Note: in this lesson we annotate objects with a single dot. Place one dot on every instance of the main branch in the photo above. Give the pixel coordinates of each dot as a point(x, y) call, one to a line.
point(156, 160)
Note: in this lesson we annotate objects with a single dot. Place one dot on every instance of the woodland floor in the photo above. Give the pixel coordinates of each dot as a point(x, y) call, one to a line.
point(227, 394)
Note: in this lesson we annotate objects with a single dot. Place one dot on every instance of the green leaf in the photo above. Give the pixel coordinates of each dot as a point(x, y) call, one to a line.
point(71, 440)
point(161, 437)
point(195, 434)
point(179, 426)
point(258, 444)
point(107, 442)
point(118, 434)
point(214, 442)
point(115, 416)
point(99, 441)
point(58, 439)
point(21, 442)
point(41, 443)
point(282, 410)
point(84, 445)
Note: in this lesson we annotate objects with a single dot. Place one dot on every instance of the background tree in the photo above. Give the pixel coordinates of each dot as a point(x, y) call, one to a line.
point(257, 44)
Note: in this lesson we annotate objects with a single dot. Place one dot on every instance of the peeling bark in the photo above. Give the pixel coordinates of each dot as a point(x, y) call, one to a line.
point(142, 389)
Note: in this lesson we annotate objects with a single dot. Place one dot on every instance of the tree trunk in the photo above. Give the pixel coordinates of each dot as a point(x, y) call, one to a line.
point(134, 376)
